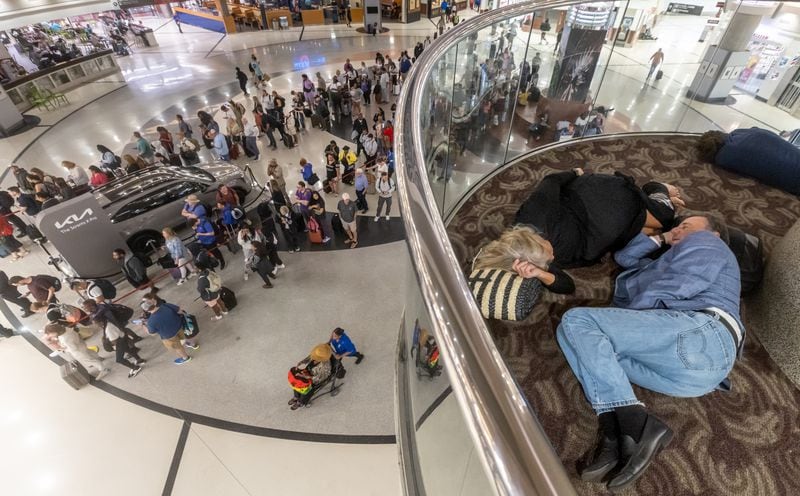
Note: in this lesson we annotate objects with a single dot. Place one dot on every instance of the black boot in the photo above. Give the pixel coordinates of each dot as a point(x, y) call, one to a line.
point(636, 455)
point(359, 357)
point(605, 455)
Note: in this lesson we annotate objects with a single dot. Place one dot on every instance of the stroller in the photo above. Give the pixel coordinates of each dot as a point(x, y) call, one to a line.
point(306, 392)
point(345, 99)
point(426, 354)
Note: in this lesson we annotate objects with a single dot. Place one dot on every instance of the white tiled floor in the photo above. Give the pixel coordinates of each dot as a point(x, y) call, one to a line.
point(59, 441)
point(221, 462)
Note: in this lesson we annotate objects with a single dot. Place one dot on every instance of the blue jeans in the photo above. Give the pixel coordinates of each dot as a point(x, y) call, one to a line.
point(677, 353)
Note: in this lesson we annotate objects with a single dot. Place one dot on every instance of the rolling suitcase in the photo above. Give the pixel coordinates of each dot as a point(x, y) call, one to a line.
point(336, 223)
point(228, 298)
point(659, 75)
point(75, 375)
point(314, 231)
point(326, 186)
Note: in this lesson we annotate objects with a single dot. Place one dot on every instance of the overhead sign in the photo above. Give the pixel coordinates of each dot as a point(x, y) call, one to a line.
point(684, 8)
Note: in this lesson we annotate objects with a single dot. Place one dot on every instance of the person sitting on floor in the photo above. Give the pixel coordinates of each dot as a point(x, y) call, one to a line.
point(754, 152)
point(316, 368)
point(573, 211)
point(676, 330)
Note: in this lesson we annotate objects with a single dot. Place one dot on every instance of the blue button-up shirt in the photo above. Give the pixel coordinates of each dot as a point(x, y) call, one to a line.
point(221, 146)
point(697, 273)
point(361, 182)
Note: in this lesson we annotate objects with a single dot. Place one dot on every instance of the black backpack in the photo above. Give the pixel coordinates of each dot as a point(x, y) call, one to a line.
point(106, 287)
point(749, 254)
point(121, 313)
point(54, 281)
point(6, 200)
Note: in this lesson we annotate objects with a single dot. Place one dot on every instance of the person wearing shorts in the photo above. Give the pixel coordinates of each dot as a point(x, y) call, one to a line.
point(166, 320)
point(347, 213)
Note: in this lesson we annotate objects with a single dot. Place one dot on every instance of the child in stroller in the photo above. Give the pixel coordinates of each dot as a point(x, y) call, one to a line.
point(426, 354)
point(314, 373)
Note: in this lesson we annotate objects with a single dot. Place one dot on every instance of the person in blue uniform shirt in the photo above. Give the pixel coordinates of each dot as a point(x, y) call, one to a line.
point(342, 345)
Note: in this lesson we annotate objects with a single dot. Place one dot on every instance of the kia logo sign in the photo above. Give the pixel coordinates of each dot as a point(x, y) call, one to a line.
point(72, 219)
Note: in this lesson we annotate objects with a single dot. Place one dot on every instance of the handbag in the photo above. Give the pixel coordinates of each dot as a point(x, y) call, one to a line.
point(190, 326)
point(504, 295)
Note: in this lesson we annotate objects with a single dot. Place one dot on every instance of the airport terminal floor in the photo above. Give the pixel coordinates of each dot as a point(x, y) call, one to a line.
point(220, 424)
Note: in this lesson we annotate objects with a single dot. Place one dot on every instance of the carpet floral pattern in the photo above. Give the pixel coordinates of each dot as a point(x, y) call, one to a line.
point(746, 442)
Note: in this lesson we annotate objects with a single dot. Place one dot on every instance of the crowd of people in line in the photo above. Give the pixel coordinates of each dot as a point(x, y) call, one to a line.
point(368, 167)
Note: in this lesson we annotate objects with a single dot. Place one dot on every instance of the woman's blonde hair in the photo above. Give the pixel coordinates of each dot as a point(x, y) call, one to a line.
point(67, 164)
point(519, 242)
point(170, 233)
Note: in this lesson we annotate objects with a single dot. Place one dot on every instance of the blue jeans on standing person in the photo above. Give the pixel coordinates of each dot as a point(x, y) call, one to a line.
point(673, 352)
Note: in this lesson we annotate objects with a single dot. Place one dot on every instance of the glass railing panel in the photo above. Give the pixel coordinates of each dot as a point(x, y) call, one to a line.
point(432, 428)
point(435, 122)
point(484, 95)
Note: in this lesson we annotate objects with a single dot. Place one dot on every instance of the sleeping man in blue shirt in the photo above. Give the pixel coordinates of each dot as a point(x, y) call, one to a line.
point(675, 329)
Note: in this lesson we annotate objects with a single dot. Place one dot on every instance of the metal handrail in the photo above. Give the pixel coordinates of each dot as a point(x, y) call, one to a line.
point(511, 444)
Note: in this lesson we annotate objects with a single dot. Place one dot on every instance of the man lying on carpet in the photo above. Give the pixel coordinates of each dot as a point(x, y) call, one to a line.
point(754, 152)
point(585, 216)
point(675, 330)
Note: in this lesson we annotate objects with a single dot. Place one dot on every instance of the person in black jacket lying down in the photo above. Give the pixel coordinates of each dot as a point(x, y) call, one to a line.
point(585, 216)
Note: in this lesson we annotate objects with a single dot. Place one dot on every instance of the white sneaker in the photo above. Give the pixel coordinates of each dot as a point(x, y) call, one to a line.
point(246, 276)
point(191, 274)
point(216, 317)
point(387, 217)
point(181, 281)
point(281, 266)
point(376, 218)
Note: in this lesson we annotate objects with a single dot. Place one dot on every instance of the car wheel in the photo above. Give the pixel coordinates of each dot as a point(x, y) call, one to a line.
point(145, 244)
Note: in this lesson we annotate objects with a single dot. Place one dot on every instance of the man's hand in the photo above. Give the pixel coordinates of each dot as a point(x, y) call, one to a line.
point(578, 171)
point(526, 269)
point(667, 237)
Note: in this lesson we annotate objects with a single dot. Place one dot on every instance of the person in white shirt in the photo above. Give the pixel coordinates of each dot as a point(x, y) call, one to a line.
point(385, 187)
point(69, 341)
point(75, 174)
point(267, 100)
point(356, 97)
point(245, 239)
point(250, 138)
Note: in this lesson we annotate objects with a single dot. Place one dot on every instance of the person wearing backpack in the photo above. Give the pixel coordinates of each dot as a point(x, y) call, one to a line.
point(132, 267)
point(184, 126)
point(98, 290)
point(168, 321)
point(209, 285)
point(385, 187)
point(115, 336)
point(43, 288)
point(204, 231)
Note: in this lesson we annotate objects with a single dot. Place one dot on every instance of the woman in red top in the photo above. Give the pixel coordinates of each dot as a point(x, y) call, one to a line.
point(165, 137)
point(227, 195)
point(8, 243)
point(388, 135)
point(98, 177)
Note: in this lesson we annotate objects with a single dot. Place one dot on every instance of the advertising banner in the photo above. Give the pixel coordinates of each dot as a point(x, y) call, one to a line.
point(574, 72)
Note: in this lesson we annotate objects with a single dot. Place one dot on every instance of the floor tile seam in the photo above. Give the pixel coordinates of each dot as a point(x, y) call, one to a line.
point(177, 457)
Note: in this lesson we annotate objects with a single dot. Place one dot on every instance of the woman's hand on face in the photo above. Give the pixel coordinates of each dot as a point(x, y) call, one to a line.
point(526, 269)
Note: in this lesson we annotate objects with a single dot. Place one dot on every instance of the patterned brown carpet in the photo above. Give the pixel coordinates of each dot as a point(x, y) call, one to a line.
point(746, 442)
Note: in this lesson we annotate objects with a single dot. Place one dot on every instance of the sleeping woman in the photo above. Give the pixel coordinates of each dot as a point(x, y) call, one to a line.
point(585, 216)
point(523, 250)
